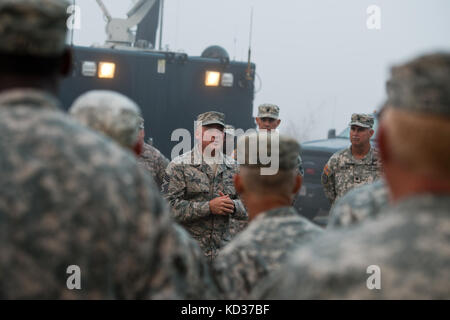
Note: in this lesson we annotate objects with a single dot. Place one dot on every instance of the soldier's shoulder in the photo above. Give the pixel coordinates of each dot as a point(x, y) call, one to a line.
point(338, 156)
point(230, 162)
point(185, 158)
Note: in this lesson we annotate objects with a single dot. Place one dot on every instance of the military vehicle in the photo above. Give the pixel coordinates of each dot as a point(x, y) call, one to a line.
point(172, 88)
point(311, 200)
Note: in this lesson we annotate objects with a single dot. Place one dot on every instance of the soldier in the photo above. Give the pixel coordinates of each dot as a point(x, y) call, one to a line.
point(357, 165)
point(75, 209)
point(275, 226)
point(404, 253)
point(153, 160)
point(200, 189)
point(268, 119)
point(359, 204)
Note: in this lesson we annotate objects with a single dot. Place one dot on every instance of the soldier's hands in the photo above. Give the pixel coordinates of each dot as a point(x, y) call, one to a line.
point(222, 205)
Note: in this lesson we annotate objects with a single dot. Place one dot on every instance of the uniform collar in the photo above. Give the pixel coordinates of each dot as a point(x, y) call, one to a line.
point(29, 98)
point(367, 158)
point(278, 212)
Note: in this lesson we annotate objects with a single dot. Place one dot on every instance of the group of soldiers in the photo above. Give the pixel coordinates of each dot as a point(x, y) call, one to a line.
point(85, 189)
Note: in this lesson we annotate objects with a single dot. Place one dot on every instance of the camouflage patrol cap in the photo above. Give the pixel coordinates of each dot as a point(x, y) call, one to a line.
point(362, 120)
point(211, 117)
point(111, 113)
point(268, 110)
point(421, 85)
point(285, 150)
point(33, 27)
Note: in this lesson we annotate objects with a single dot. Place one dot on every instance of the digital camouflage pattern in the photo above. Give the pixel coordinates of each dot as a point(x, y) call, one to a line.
point(110, 113)
point(189, 186)
point(359, 204)
point(261, 249)
point(362, 120)
point(421, 85)
point(155, 162)
point(43, 34)
point(190, 259)
point(410, 243)
point(71, 197)
point(343, 172)
point(211, 117)
point(268, 110)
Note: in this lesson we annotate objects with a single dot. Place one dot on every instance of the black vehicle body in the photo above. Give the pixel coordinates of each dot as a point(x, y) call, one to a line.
point(311, 200)
point(169, 87)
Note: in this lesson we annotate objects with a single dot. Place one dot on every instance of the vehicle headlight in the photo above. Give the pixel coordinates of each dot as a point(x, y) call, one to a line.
point(212, 78)
point(227, 80)
point(106, 70)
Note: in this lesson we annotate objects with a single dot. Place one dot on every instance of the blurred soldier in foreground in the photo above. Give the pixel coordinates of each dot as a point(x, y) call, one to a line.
point(359, 204)
point(269, 119)
point(275, 228)
point(70, 197)
point(200, 189)
point(404, 253)
point(153, 160)
point(357, 165)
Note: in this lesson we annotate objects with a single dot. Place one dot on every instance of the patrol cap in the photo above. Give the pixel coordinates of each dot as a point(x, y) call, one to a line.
point(33, 27)
point(268, 110)
point(211, 117)
point(362, 120)
point(287, 152)
point(421, 85)
point(111, 113)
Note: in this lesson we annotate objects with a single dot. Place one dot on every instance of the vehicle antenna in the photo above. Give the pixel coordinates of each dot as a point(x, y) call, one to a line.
point(248, 73)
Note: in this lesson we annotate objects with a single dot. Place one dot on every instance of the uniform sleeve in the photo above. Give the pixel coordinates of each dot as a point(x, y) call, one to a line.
point(328, 180)
point(174, 189)
point(239, 213)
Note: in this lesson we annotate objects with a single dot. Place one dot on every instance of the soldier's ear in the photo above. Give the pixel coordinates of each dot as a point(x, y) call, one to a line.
point(238, 185)
point(383, 144)
point(298, 184)
point(139, 147)
point(371, 132)
point(278, 122)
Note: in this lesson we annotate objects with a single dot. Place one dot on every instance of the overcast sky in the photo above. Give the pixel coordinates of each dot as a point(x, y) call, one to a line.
point(316, 58)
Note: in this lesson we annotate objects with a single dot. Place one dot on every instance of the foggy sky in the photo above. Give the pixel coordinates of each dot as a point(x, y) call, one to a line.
point(316, 59)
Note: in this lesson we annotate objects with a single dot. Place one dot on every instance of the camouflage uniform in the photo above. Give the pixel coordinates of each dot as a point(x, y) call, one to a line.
point(71, 197)
point(155, 162)
point(359, 204)
point(343, 172)
point(189, 187)
point(260, 249)
point(409, 241)
point(264, 245)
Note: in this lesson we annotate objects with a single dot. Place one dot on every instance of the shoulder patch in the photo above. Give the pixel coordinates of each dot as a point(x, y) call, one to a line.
point(326, 170)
